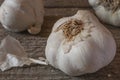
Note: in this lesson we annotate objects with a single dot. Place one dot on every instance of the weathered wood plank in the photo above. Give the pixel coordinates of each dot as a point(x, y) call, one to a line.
point(66, 3)
point(63, 11)
point(36, 44)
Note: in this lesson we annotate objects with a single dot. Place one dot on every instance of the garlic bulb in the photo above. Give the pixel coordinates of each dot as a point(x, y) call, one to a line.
point(80, 44)
point(107, 10)
point(20, 15)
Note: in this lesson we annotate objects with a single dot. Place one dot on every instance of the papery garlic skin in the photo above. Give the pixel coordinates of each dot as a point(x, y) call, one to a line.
point(20, 15)
point(92, 49)
point(107, 16)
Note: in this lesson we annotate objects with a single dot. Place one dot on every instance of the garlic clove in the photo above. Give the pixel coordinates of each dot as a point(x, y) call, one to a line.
point(107, 10)
point(80, 44)
point(20, 15)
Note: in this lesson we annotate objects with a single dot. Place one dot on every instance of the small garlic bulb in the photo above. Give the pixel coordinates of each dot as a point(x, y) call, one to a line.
point(20, 15)
point(107, 10)
point(80, 44)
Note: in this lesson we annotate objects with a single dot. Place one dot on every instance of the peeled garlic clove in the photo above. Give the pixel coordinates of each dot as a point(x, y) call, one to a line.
point(80, 44)
point(107, 10)
point(20, 15)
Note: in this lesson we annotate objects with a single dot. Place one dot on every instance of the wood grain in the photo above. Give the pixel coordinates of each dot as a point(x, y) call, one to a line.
point(63, 11)
point(66, 3)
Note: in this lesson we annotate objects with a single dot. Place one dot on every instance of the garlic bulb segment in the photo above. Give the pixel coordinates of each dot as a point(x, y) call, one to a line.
point(80, 44)
point(20, 15)
point(107, 10)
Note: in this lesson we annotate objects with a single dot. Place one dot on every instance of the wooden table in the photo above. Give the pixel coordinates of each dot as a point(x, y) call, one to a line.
point(35, 46)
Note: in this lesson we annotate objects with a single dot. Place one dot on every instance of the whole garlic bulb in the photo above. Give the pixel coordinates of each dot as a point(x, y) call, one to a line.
point(80, 44)
point(20, 15)
point(107, 10)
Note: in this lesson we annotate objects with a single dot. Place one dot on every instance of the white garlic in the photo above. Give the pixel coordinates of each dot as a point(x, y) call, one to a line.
point(107, 10)
point(80, 44)
point(20, 15)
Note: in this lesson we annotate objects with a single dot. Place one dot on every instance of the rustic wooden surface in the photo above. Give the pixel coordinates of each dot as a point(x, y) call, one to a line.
point(56, 9)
